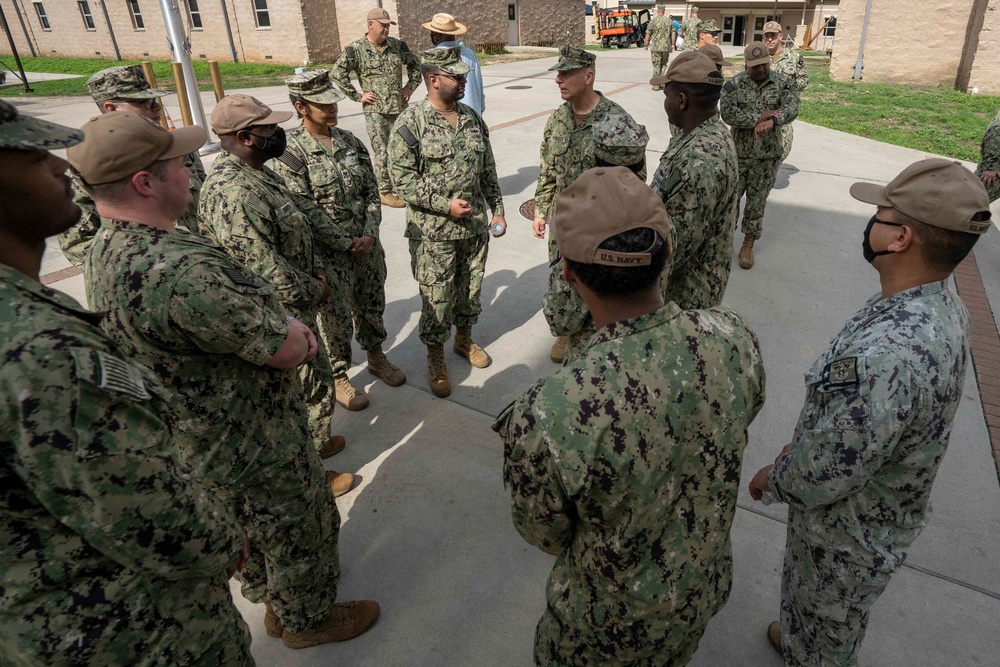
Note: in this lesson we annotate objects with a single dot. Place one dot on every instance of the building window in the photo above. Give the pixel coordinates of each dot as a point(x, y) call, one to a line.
point(43, 18)
point(194, 15)
point(133, 10)
point(260, 14)
point(831, 28)
point(88, 18)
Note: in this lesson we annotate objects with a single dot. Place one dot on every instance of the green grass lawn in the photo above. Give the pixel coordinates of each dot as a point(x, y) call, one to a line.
point(934, 119)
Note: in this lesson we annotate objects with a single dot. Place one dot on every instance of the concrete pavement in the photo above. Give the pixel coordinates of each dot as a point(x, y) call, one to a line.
point(427, 533)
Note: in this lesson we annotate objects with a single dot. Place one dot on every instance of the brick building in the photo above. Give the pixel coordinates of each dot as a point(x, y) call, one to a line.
point(958, 45)
point(286, 31)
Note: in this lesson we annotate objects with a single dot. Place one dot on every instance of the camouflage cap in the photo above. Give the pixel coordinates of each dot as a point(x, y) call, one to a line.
point(446, 59)
point(619, 140)
point(756, 53)
point(771, 27)
point(121, 83)
point(572, 57)
point(690, 67)
point(119, 144)
point(937, 192)
point(709, 26)
point(24, 133)
point(315, 87)
point(715, 54)
point(602, 203)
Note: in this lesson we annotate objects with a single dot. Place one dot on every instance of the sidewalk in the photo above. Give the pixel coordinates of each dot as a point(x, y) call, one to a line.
point(427, 533)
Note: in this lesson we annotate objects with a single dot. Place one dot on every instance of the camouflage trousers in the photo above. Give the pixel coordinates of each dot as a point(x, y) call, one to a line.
point(450, 276)
point(561, 645)
point(359, 310)
point(660, 59)
point(379, 126)
point(786, 141)
point(317, 383)
point(756, 180)
point(824, 606)
point(292, 522)
point(567, 313)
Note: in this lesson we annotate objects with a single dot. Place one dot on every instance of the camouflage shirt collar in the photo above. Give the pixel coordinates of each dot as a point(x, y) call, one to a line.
point(13, 280)
point(877, 305)
point(635, 325)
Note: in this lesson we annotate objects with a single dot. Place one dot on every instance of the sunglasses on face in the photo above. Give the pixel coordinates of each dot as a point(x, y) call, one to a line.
point(460, 78)
point(148, 104)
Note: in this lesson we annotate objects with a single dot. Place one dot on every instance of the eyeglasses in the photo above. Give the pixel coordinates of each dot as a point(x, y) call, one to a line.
point(148, 104)
point(459, 78)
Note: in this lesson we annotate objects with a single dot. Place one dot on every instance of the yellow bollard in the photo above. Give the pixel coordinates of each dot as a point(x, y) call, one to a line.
point(182, 96)
point(213, 68)
point(147, 69)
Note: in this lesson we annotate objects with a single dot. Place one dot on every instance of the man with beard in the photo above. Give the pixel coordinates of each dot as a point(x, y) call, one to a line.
point(443, 167)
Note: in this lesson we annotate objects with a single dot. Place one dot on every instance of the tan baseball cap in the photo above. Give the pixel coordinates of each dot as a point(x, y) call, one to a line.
point(715, 53)
point(690, 67)
point(756, 53)
point(119, 144)
point(238, 112)
point(937, 192)
point(602, 203)
point(380, 15)
point(771, 26)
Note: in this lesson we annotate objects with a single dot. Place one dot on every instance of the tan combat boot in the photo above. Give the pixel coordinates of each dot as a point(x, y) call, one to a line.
point(340, 482)
point(348, 395)
point(465, 347)
point(746, 253)
point(558, 352)
point(437, 371)
point(272, 624)
point(391, 200)
point(346, 620)
point(334, 445)
point(774, 636)
point(383, 369)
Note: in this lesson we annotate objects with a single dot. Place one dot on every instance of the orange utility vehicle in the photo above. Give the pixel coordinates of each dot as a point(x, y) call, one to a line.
point(622, 27)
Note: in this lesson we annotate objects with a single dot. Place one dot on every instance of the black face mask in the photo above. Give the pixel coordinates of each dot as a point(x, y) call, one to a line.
point(866, 245)
point(272, 146)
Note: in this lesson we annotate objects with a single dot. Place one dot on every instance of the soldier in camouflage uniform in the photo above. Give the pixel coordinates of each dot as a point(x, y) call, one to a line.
point(660, 41)
point(877, 417)
point(123, 89)
point(221, 342)
point(248, 210)
point(697, 180)
point(689, 30)
point(618, 141)
point(378, 61)
point(788, 62)
point(708, 33)
point(988, 169)
point(97, 517)
point(600, 449)
point(755, 104)
point(443, 166)
point(332, 166)
point(568, 143)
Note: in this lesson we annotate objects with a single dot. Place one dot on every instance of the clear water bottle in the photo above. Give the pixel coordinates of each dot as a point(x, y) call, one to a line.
point(497, 229)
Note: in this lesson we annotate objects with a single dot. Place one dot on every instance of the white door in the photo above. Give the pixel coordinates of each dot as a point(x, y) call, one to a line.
point(513, 33)
point(727, 29)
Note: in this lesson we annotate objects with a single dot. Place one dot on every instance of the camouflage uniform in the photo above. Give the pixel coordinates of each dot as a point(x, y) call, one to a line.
point(697, 180)
point(989, 158)
point(875, 425)
point(75, 241)
point(271, 231)
point(379, 70)
point(743, 102)
point(126, 82)
point(639, 516)
point(179, 304)
point(620, 141)
point(661, 40)
point(689, 30)
point(343, 184)
point(110, 553)
point(432, 163)
point(567, 151)
point(790, 63)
